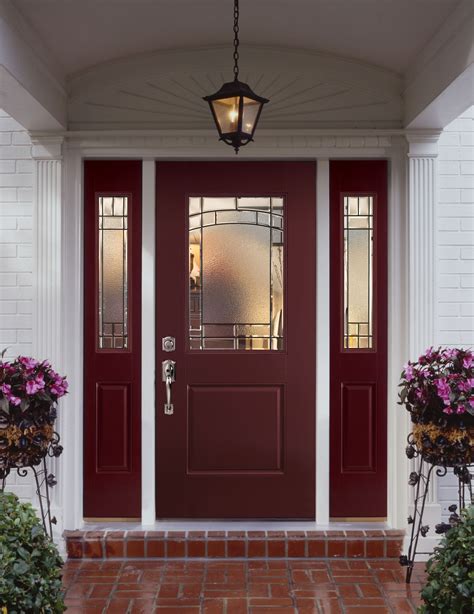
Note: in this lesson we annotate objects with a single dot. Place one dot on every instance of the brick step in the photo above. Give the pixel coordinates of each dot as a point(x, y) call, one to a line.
point(111, 544)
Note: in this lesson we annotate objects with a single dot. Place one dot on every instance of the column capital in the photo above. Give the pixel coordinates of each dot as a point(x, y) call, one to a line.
point(423, 144)
point(46, 147)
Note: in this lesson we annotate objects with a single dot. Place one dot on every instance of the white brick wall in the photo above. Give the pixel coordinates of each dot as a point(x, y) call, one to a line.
point(16, 222)
point(455, 251)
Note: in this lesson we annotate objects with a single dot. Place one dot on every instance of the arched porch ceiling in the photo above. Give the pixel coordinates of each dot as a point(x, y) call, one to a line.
point(164, 90)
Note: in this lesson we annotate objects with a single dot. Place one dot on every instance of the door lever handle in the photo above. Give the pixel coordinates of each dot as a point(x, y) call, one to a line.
point(168, 368)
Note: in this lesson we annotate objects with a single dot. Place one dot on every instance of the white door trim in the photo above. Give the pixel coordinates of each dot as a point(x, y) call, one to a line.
point(148, 342)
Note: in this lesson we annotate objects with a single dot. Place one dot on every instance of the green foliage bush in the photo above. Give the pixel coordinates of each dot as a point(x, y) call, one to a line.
point(450, 585)
point(30, 566)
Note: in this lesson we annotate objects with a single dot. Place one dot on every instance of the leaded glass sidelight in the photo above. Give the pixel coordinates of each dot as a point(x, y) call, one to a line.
point(358, 272)
point(236, 273)
point(113, 273)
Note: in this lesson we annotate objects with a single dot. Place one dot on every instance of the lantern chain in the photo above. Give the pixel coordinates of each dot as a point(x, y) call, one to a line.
point(236, 39)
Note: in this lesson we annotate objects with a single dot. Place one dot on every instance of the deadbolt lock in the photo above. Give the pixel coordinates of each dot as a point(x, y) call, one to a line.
point(168, 344)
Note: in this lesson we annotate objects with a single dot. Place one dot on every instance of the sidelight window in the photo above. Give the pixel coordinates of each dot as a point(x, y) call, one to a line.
point(113, 273)
point(236, 273)
point(358, 271)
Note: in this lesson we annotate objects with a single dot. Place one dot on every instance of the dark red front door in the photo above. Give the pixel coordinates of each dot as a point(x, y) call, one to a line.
point(235, 285)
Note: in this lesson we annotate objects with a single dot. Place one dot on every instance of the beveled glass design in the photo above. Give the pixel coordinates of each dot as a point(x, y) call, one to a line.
point(358, 272)
point(113, 273)
point(236, 273)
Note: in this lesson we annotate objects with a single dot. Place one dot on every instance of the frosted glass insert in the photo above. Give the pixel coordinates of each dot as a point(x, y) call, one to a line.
point(113, 258)
point(235, 279)
point(236, 273)
point(358, 272)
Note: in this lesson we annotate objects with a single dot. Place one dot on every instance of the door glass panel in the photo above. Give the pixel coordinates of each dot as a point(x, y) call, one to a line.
point(113, 273)
point(358, 272)
point(236, 273)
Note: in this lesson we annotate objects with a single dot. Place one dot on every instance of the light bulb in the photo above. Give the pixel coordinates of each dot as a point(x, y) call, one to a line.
point(233, 115)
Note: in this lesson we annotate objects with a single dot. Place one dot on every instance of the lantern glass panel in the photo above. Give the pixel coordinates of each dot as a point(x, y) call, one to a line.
point(250, 114)
point(227, 113)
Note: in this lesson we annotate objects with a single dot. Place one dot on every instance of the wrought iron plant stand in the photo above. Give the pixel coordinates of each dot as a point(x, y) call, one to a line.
point(32, 455)
point(420, 480)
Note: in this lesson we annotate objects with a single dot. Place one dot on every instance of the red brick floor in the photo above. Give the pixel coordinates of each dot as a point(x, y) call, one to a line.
point(234, 587)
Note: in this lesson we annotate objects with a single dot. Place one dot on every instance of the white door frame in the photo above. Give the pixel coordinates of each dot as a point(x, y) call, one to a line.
point(318, 145)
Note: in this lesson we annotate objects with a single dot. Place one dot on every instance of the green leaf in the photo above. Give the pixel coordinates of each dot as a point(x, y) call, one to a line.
point(21, 567)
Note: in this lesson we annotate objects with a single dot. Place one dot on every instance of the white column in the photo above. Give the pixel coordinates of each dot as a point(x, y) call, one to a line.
point(47, 310)
point(422, 201)
point(322, 347)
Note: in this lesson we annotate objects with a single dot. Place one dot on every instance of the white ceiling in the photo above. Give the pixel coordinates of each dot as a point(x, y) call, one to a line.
point(387, 33)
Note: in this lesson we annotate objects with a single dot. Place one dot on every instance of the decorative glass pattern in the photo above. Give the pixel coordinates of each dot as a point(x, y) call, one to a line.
point(236, 273)
point(358, 272)
point(113, 273)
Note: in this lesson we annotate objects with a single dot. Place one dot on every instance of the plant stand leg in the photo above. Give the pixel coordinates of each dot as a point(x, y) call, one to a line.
point(421, 493)
point(42, 490)
point(464, 483)
point(3, 478)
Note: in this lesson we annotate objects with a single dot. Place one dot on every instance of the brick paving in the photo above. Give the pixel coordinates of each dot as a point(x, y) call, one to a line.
point(235, 587)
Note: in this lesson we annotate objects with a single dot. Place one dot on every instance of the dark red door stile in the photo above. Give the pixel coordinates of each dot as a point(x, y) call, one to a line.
point(112, 377)
point(358, 376)
point(193, 484)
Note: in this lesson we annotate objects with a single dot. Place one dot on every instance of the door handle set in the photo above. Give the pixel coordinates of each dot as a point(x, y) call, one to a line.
point(168, 372)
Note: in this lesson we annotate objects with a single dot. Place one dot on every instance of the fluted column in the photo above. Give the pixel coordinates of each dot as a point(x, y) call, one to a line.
point(422, 201)
point(47, 313)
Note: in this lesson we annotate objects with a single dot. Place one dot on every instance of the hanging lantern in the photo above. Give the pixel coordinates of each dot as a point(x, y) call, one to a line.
point(235, 107)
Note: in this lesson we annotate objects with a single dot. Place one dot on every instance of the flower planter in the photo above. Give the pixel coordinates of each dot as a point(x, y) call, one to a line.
point(448, 446)
point(25, 446)
point(29, 391)
point(438, 391)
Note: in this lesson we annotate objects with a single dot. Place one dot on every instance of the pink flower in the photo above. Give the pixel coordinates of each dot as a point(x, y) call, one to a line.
point(409, 372)
point(448, 410)
point(443, 388)
point(460, 409)
point(34, 386)
point(467, 361)
point(29, 363)
point(11, 398)
point(464, 386)
point(59, 386)
point(450, 353)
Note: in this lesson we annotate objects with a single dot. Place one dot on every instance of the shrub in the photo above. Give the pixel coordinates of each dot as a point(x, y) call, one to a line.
point(30, 566)
point(450, 585)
